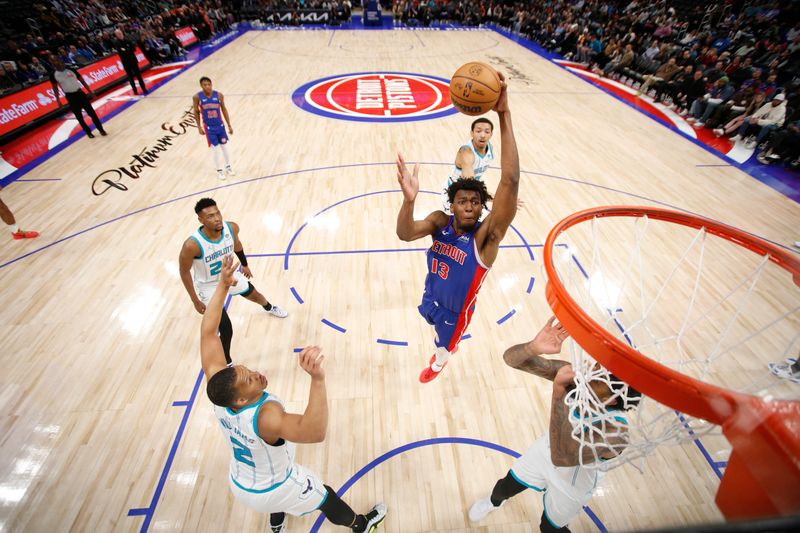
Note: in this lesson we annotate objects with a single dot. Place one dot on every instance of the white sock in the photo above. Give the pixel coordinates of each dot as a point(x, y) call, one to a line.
point(441, 358)
point(215, 152)
point(13, 227)
point(225, 155)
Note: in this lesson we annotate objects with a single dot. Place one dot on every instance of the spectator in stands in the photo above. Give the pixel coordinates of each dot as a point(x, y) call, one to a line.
point(743, 72)
point(769, 117)
point(715, 72)
point(669, 90)
point(26, 76)
point(37, 67)
point(663, 74)
point(7, 82)
point(691, 89)
point(703, 107)
point(76, 58)
point(625, 60)
point(652, 50)
point(757, 100)
point(783, 146)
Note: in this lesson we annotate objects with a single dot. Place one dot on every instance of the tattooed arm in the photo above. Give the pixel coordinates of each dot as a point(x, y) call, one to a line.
point(527, 357)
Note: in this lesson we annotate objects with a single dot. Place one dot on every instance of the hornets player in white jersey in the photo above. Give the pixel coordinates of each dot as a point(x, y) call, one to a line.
point(472, 159)
point(202, 253)
point(553, 464)
point(262, 435)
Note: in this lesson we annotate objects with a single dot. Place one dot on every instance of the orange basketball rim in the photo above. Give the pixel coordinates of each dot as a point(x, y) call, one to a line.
point(763, 473)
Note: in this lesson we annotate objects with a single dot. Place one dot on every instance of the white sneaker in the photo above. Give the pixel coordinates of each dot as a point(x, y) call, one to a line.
point(783, 369)
point(719, 132)
point(220, 175)
point(736, 137)
point(375, 516)
point(797, 244)
point(278, 312)
point(750, 143)
point(699, 124)
point(481, 508)
point(229, 171)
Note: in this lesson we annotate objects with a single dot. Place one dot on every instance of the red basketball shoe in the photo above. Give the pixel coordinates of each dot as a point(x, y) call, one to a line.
point(429, 374)
point(22, 234)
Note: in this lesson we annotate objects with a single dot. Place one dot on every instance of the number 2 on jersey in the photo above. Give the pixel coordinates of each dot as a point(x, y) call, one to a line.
point(242, 453)
point(215, 268)
point(440, 267)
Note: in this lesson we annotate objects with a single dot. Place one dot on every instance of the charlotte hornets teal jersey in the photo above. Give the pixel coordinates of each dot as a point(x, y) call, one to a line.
point(208, 264)
point(255, 465)
point(211, 110)
point(455, 271)
point(479, 165)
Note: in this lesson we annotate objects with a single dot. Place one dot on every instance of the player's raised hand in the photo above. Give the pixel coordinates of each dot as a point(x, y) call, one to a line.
point(310, 360)
point(409, 181)
point(550, 338)
point(502, 103)
point(226, 275)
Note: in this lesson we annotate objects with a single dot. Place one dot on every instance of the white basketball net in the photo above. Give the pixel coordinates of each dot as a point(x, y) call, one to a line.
point(692, 301)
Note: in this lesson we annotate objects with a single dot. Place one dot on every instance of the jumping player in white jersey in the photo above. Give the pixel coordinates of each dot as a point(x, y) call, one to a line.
point(263, 474)
point(472, 159)
point(211, 104)
point(552, 465)
point(202, 253)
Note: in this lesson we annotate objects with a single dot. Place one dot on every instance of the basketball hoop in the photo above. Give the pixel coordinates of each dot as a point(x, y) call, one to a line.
point(663, 324)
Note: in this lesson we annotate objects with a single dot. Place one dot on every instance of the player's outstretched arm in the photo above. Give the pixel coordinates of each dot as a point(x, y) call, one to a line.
point(528, 356)
point(504, 206)
point(409, 229)
point(564, 449)
point(212, 356)
point(274, 423)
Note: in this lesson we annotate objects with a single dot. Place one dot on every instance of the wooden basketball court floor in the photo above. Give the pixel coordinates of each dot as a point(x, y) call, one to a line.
point(104, 427)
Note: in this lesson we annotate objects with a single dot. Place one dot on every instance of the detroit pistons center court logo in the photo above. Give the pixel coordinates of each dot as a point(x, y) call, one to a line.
point(377, 97)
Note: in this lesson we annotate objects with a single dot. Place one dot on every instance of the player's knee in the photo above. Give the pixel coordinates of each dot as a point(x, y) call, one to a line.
point(251, 292)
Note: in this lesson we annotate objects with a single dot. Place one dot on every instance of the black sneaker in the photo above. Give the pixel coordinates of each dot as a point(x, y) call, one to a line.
point(375, 517)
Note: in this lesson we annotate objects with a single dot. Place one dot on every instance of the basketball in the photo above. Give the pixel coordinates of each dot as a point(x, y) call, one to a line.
point(474, 88)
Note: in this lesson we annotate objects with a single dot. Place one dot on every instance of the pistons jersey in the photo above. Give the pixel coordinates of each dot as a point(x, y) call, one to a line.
point(211, 110)
point(255, 465)
point(455, 271)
